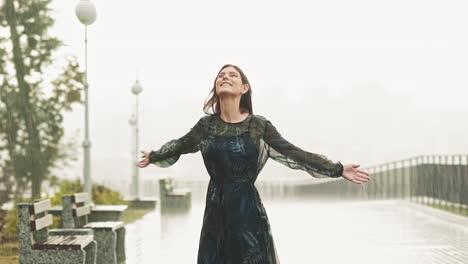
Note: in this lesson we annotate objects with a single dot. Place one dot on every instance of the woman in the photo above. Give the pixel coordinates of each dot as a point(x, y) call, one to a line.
point(235, 145)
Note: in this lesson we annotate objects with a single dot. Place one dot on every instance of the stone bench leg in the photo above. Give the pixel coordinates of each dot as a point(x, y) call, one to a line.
point(91, 251)
point(58, 256)
point(25, 256)
point(106, 245)
point(120, 245)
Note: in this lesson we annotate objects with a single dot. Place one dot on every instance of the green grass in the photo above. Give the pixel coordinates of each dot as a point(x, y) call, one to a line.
point(9, 252)
point(131, 215)
point(9, 259)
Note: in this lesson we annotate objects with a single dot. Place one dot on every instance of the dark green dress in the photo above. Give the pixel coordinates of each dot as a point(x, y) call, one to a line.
point(235, 227)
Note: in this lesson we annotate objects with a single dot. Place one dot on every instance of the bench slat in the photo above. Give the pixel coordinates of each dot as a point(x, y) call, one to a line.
point(84, 210)
point(54, 242)
point(73, 242)
point(50, 241)
point(42, 222)
point(84, 241)
point(80, 197)
point(65, 242)
point(39, 207)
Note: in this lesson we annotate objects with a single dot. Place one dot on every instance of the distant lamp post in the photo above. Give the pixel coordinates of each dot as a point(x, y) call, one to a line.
point(86, 13)
point(136, 90)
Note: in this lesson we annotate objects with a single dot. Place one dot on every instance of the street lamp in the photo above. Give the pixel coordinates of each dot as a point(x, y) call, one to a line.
point(136, 89)
point(86, 13)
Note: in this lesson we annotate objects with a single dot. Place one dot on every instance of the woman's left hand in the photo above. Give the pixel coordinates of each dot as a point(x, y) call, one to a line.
point(353, 174)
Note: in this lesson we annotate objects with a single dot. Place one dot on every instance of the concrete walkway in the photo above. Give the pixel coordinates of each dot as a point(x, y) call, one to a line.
point(389, 231)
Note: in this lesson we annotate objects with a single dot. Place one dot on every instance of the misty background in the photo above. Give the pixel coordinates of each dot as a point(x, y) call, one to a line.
point(361, 82)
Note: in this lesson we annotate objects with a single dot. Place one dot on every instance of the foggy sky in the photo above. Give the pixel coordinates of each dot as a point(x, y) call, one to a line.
point(362, 82)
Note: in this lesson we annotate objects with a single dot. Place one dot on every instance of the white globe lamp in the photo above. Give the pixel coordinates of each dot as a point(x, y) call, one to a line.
point(86, 12)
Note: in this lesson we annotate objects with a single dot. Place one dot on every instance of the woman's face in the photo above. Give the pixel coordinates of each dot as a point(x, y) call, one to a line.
point(229, 82)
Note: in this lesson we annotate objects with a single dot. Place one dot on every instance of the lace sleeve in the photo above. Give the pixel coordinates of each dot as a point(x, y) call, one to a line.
point(170, 152)
point(284, 152)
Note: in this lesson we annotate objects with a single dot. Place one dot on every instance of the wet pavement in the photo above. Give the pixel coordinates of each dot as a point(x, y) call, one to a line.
point(389, 231)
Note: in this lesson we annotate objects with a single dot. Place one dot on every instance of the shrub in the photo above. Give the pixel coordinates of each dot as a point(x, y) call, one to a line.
point(100, 194)
point(10, 228)
point(104, 195)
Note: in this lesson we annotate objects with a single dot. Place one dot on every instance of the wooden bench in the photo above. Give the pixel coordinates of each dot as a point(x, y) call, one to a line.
point(38, 244)
point(172, 199)
point(109, 235)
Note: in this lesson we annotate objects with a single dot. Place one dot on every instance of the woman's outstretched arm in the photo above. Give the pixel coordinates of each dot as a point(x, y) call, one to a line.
point(317, 165)
point(170, 152)
point(286, 153)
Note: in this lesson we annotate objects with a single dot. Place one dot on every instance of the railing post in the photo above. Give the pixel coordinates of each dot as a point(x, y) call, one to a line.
point(418, 179)
point(452, 186)
point(413, 179)
point(387, 181)
point(380, 193)
point(439, 181)
point(432, 181)
point(394, 182)
point(426, 178)
point(398, 181)
point(464, 186)
point(459, 177)
point(382, 177)
point(421, 175)
point(405, 180)
point(410, 179)
point(444, 192)
point(422, 179)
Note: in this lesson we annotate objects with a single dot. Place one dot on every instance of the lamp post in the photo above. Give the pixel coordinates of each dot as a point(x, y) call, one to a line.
point(136, 89)
point(86, 13)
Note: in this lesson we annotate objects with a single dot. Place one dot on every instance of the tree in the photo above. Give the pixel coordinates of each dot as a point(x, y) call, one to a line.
point(31, 129)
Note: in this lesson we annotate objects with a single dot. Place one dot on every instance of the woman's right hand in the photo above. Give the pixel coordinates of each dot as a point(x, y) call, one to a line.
point(353, 174)
point(145, 161)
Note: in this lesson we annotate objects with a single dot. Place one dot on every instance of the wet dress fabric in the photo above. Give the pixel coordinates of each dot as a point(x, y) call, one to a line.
point(235, 226)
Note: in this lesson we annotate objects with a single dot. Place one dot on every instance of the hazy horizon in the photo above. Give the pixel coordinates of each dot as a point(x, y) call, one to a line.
point(359, 82)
